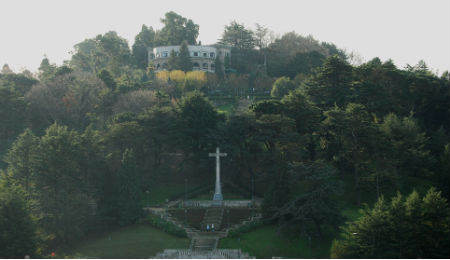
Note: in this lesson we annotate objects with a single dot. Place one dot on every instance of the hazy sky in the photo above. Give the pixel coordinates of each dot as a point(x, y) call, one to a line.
point(404, 30)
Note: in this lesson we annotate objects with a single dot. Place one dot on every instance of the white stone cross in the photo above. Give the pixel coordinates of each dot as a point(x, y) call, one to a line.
point(218, 190)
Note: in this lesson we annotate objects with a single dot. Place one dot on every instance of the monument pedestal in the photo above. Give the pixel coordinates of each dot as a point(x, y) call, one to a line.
point(218, 196)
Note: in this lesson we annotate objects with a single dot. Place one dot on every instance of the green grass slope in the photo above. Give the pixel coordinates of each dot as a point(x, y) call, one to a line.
point(137, 241)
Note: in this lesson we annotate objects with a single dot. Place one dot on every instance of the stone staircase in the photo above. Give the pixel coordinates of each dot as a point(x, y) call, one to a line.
point(204, 243)
point(213, 216)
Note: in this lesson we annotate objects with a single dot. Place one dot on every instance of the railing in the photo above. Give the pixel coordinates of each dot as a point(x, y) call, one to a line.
point(187, 253)
point(223, 203)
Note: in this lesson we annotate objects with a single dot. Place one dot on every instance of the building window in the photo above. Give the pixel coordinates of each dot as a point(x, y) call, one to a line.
point(205, 54)
point(212, 54)
point(195, 66)
point(152, 56)
point(165, 54)
point(213, 66)
point(205, 66)
point(195, 54)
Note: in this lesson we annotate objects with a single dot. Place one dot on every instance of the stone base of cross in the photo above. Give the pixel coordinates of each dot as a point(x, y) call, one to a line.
point(218, 196)
point(218, 191)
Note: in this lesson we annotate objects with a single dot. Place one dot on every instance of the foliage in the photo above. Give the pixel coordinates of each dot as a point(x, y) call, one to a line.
point(108, 51)
point(404, 228)
point(184, 58)
point(194, 80)
point(177, 75)
point(315, 210)
point(198, 119)
point(144, 39)
point(130, 196)
point(408, 142)
point(281, 87)
point(292, 54)
point(331, 85)
point(350, 131)
point(13, 111)
point(238, 36)
point(245, 228)
point(19, 233)
point(21, 158)
point(168, 227)
point(67, 99)
point(176, 30)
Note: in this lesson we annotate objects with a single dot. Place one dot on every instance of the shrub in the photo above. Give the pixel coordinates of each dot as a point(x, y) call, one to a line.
point(166, 226)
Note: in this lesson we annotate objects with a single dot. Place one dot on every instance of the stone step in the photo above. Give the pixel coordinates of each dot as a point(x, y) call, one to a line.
point(202, 243)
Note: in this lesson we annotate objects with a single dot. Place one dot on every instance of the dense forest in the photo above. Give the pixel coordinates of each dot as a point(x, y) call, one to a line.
point(314, 131)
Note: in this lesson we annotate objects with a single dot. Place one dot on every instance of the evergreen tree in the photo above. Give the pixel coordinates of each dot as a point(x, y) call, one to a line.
point(144, 40)
point(172, 63)
point(60, 186)
point(405, 228)
point(21, 157)
point(315, 210)
point(219, 69)
point(129, 200)
point(18, 236)
point(184, 58)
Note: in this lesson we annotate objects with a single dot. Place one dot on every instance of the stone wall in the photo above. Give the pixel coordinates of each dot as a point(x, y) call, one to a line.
point(223, 203)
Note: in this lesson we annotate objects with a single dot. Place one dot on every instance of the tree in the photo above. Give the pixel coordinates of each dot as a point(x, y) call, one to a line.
point(159, 126)
point(404, 228)
point(219, 69)
point(172, 63)
point(18, 237)
point(350, 130)
point(144, 40)
point(281, 87)
point(67, 99)
point(6, 69)
point(176, 30)
point(134, 102)
point(197, 118)
point(184, 58)
point(238, 36)
point(281, 53)
point(408, 143)
point(60, 187)
point(108, 51)
point(46, 70)
point(129, 199)
point(13, 112)
point(263, 37)
point(20, 158)
point(331, 85)
point(307, 118)
point(315, 209)
point(304, 63)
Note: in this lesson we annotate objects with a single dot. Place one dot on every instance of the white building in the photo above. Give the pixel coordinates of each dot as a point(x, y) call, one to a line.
point(202, 57)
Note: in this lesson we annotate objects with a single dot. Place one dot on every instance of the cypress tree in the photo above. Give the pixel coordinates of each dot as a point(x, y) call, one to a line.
point(184, 59)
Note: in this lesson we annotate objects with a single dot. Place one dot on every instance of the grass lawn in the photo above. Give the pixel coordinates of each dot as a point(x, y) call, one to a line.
point(159, 194)
point(137, 241)
point(265, 242)
point(227, 109)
